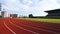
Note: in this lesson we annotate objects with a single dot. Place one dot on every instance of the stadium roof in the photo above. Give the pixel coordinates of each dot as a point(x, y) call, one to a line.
point(53, 11)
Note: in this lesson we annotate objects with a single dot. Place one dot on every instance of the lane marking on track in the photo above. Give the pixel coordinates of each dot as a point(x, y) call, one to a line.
point(23, 28)
point(44, 27)
point(49, 28)
point(9, 28)
point(40, 29)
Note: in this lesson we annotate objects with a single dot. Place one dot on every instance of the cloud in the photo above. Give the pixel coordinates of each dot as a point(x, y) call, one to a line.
point(36, 7)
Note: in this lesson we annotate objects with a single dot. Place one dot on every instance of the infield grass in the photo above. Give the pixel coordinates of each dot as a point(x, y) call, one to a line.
point(43, 20)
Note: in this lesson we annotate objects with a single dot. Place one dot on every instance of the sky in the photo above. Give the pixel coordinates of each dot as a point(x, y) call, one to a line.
point(26, 7)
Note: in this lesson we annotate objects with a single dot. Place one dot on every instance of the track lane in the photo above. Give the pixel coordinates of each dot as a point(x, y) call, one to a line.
point(38, 24)
point(39, 30)
point(47, 27)
point(9, 28)
point(27, 27)
point(3, 29)
point(19, 30)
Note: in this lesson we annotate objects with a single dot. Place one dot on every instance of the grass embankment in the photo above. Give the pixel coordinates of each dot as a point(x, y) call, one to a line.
point(44, 20)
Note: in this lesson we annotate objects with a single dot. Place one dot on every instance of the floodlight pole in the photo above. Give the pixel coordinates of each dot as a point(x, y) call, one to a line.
point(0, 6)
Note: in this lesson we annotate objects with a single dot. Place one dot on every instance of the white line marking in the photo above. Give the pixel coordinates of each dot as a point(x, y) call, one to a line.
point(23, 28)
point(9, 28)
point(39, 29)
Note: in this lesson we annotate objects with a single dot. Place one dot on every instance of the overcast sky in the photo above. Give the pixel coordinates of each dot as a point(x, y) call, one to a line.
point(26, 7)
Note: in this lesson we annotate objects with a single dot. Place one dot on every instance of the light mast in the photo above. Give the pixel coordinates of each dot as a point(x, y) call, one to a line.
point(0, 6)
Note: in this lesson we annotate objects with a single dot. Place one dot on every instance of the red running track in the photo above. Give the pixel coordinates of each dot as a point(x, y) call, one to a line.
point(19, 26)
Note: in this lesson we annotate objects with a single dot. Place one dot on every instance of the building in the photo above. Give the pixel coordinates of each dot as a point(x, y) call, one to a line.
point(0, 16)
point(5, 14)
point(53, 13)
point(13, 15)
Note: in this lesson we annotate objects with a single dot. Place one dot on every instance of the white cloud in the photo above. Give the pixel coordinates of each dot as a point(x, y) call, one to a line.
point(35, 7)
point(49, 4)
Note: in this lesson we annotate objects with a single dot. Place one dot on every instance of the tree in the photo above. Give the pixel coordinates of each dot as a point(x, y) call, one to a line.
point(30, 15)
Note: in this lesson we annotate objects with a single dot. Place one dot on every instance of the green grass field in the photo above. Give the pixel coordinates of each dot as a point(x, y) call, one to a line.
point(44, 20)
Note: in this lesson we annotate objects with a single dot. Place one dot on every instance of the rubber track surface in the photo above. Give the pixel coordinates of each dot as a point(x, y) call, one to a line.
point(19, 26)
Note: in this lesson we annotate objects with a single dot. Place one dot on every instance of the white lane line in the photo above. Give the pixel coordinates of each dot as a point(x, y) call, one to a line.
point(48, 27)
point(9, 28)
point(23, 28)
point(41, 29)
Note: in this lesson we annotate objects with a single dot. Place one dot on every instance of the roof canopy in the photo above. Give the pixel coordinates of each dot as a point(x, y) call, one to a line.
point(53, 11)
